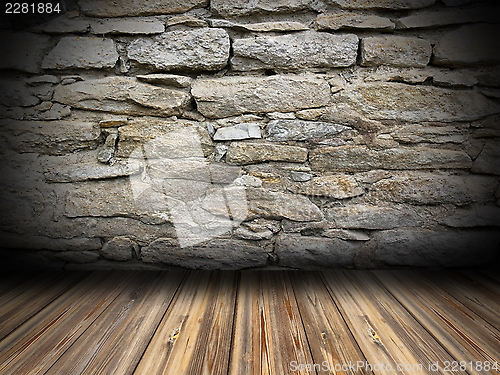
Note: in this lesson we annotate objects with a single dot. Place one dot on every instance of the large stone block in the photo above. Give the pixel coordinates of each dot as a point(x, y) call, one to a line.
point(308, 49)
point(200, 49)
point(122, 95)
point(314, 253)
point(361, 158)
point(297, 130)
point(488, 161)
point(426, 248)
point(230, 96)
point(396, 51)
point(83, 53)
point(338, 186)
point(398, 101)
point(243, 7)
point(382, 4)
point(250, 153)
point(428, 134)
point(121, 8)
point(64, 172)
point(23, 51)
point(127, 26)
point(349, 20)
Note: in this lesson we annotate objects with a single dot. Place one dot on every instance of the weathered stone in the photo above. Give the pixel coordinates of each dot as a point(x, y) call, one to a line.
point(246, 234)
point(489, 76)
point(308, 253)
point(120, 248)
point(338, 186)
point(62, 25)
point(78, 257)
point(346, 235)
point(199, 49)
point(468, 46)
point(90, 171)
point(16, 93)
point(167, 79)
point(432, 188)
point(46, 78)
point(382, 4)
point(122, 95)
point(52, 138)
point(481, 216)
point(426, 248)
point(82, 52)
point(361, 158)
point(243, 7)
point(277, 205)
point(247, 180)
point(216, 254)
point(447, 17)
point(362, 216)
point(250, 153)
point(16, 241)
point(428, 134)
point(454, 79)
point(121, 8)
point(230, 96)
point(397, 101)
point(488, 161)
point(297, 130)
point(113, 122)
point(306, 228)
point(187, 21)
point(272, 26)
point(300, 176)
point(127, 26)
point(23, 51)
point(244, 130)
point(308, 49)
point(395, 50)
point(353, 21)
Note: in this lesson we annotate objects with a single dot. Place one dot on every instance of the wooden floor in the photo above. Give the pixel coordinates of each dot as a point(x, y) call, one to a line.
point(335, 322)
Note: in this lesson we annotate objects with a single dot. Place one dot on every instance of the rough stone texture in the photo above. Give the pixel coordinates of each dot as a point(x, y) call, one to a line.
point(200, 49)
point(434, 189)
point(449, 17)
point(425, 248)
point(120, 248)
point(297, 130)
point(250, 153)
point(91, 171)
point(353, 21)
point(62, 25)
point(127, 26)
point(16, 93)
point(300, 176)
point(468, 46)
point(308, 49)
point(395, 50)
point(372, 217)
point(314, 252)
point(488, 161)
point(230, 96)
point(481, 216)
point(23, 51)
point(338, 186)
point(272, 26)
point(166, 79)
point(361, 158)
point(122, 95)
point(216, 254)
point(427, 134)
point(380, 4)
point(83, 53)
point(243, 7)
point(246, 130)
point(398, 101)
point(121, 8)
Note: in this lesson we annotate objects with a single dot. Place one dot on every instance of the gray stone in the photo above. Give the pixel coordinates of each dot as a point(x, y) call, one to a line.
point(447, 17)
point(63, 25)
point(90, 171)
point(297, 130)
point(349, 20)
point(277, 26)
point(187, 21)
point(127, 26)
point(346, 235)
point(78, 257)
point(396, 51)
point(428, 134)
point(243, 7)
point(305, 228)
point(23, 51)
point(199, 49)
point(454, 79)
point(52, 138)
point(360, 216)
point(122, 95)
point(277, 205)
point(489, 76)
point(361, 158)
point(120, 248)
point(247, 180)
point(222, 254)
point(83, 53)
point(246, 234)
point(426, 248)
point(488, 161)
point(166, 79)
point(308, 253)
point(230, 96)
point(250, 153)
point(470, 45)
point(435, 189)
point(46, 78)
point(382, 4)
point(121, 8)
point(481, 216)
point(307, 49)
point(339, 186)
point(398, 101)
point(16, 93)
point(246, 130)
point(300, 176)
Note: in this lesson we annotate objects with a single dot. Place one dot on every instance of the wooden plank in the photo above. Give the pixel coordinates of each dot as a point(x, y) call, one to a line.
point(332, 345)
point(459, 330)
point(483, 279)
point(29, 298)
point(25, 291)
point(117, 339)
point(388, 335)
point(37, 344)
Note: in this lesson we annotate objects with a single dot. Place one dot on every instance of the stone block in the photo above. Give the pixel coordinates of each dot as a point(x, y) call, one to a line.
point(120, 248)
point(124, 8)
point(245, 130)
point(23, 51)
point(396, 51)
point(243, 7)
point(347, 20)
point(382, 4)
point(488, 161)
point(127, 26)
point(297, 130)
point(250, 153)
point(63, 172)
point(339, 186)
point(166, 79)
point(428, 134)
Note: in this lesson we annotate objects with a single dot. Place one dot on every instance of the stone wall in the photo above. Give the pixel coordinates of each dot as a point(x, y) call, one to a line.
point(237, 134)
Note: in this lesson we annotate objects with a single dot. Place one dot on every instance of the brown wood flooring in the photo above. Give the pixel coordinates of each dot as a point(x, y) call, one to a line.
point(250, 322)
